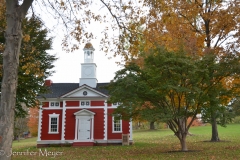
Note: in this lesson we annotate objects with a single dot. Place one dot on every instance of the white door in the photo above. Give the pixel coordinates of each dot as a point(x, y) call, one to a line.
point(84, 128)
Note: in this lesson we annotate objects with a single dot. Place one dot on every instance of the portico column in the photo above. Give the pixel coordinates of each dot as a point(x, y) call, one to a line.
point(76, 127)
point(92, 129)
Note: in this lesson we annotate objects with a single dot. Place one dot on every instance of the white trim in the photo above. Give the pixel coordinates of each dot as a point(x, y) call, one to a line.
point(113, 126)
point(76, 128)
point(84, 140)
point(63, 122)
point(130, 130)
point(51, 108)
point(113, 106)
point(84, 112)
point(78, 115)
point(116, 104)
point(85, 102)
point(82, 87)
point(72, 141)
point(56, 104)
point(39, 122)
point(83, 107)
point(54, 141)
point(54, 115)
point(92, 129)
point(105, 121)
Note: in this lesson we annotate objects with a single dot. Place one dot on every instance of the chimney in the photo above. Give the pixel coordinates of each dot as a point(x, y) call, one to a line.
point(48, 82)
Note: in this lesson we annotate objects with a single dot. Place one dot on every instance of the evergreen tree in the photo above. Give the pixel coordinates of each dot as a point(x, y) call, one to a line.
point(35, 64)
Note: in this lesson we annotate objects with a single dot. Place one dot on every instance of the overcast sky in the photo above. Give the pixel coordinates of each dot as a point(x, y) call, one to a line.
point(68, 66)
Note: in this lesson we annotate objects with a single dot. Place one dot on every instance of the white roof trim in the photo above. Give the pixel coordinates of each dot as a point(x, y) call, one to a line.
point(84, 112)
point(80, 88)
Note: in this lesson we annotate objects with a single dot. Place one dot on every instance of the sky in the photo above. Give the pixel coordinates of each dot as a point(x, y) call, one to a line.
point(68, 66)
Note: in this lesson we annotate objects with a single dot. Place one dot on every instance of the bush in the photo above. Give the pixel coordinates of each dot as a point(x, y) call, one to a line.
point(146, 125)
point(236, 120)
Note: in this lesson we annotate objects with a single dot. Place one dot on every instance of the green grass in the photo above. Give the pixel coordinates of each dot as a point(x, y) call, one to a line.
point(29, 142)
point(148, 145)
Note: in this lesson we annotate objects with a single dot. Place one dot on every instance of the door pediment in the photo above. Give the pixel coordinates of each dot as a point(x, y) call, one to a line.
point(84, 112)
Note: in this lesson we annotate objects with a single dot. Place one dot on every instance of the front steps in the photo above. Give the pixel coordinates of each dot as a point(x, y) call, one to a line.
point(82, 144)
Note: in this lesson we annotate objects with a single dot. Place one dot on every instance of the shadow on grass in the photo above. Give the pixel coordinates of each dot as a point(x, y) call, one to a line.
point(188, 151)
point(216, 141)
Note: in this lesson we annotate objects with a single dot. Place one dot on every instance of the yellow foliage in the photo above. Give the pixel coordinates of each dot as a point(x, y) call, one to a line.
point(26, 38)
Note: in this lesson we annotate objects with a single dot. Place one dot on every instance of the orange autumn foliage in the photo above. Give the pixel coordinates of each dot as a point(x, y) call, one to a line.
point(33, 121)
point(196, 122)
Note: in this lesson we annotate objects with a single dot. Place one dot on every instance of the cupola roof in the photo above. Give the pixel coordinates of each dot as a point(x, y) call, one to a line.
point(88, 46)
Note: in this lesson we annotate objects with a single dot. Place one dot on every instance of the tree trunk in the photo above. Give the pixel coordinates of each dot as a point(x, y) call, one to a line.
point(182, 133)
point(13, 36)
point(152, 125)
point(183, 144)
point(215, 137)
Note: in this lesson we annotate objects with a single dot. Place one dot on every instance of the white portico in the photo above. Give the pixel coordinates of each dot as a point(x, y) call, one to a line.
point(84, 126)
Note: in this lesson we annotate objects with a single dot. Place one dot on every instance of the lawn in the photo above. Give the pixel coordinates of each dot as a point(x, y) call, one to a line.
point(158, 144)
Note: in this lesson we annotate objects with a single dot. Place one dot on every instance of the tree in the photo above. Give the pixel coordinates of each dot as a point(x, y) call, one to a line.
point(147, 112)
point(175, 83)
point(235, 106)
point(13, 37)
point(197, 27)
point(33, 121)
point(35, 64)
point(34, 68)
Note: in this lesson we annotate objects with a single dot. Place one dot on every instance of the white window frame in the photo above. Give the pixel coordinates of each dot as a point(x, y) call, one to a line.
point(55, 102)
point(50, 120)
point(85, 102)
point(116, 104)
point(113, 124)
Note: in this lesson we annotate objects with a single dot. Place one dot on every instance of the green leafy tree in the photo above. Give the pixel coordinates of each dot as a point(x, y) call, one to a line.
point(35, 64)
point(222, 72)
point(235, 106)
point(173, 82)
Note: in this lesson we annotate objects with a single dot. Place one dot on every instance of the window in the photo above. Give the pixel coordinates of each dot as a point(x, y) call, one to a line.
point(117, 125)
point(54, 104)
point(85, 103)
point(117, 104)
point(53, 123)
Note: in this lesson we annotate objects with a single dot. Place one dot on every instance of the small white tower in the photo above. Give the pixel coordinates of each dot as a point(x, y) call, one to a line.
point(88, 68)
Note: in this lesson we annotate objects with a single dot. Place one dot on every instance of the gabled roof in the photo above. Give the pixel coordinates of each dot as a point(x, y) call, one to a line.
point(79, 92)
point(57, 90)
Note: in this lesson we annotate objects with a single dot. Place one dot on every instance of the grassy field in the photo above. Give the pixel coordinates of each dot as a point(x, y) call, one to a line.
point(158, 144)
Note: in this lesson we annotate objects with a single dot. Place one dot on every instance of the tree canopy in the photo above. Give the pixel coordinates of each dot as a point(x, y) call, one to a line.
point(178, 86)
point(35, 64)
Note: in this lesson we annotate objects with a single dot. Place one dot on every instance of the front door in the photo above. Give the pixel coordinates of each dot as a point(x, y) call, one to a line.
point(84, 128)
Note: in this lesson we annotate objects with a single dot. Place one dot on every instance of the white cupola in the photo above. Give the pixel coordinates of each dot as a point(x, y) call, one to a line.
point(88, 53)
point(88, 68)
